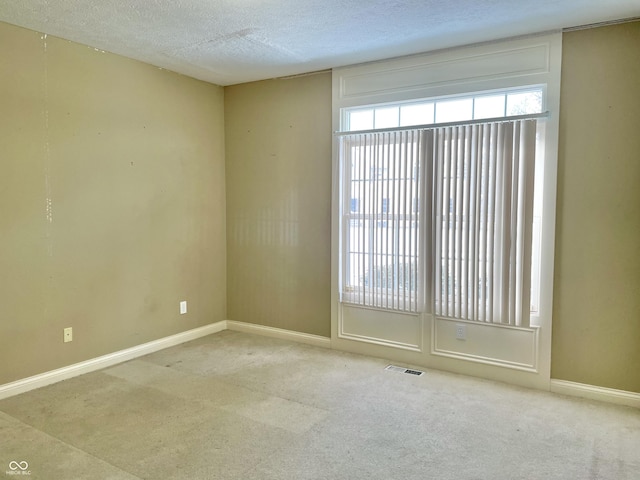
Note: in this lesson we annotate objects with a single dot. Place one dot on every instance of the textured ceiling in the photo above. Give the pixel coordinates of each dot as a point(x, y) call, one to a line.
point(235, 41)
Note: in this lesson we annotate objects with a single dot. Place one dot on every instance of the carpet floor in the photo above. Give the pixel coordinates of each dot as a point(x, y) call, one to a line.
point(239, 406)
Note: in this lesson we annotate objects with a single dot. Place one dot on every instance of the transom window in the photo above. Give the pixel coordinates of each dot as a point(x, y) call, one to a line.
point(483, 105)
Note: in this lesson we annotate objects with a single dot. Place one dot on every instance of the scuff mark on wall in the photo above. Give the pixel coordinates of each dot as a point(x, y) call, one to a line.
point(49, 206)
point(47, 150)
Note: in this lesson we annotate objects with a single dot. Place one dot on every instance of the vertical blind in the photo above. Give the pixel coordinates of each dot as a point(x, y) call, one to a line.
point(440, 219)
point(483, 195)
point(381, 241)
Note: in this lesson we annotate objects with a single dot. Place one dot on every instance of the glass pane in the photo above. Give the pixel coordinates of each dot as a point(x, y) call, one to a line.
point(419, 114)
point(454, 110)
point(524, 103)
point(386, 117)
point(489, 107)
point(361, 120)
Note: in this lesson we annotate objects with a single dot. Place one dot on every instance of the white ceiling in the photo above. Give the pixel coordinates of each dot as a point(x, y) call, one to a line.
point(235, 41)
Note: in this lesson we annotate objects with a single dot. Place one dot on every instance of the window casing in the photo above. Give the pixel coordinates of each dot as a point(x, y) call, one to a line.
point(415, 85)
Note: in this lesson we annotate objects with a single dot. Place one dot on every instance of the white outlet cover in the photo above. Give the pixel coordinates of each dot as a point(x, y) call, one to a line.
point(183, 307)
point(461, 332)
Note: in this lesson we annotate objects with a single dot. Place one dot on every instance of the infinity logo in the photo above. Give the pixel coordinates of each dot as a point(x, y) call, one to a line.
point(18, 465)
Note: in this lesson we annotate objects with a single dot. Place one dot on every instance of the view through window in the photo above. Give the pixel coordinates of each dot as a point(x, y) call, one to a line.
point(384, 182)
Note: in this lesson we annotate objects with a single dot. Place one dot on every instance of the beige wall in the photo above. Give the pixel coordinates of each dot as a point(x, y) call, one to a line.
point(112, 202)
point(278, 148)
point(596, 336)
point(596, 322)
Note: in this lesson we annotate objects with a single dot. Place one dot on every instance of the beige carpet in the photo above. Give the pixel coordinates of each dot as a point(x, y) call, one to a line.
point(238, 406)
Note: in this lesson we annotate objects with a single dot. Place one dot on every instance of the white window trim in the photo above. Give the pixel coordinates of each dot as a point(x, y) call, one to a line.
point(500, 65)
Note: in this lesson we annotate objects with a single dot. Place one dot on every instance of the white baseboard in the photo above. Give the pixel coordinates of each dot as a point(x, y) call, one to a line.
point(610, 395)
point(306, 338)
point(592, 392)
point(53, 376)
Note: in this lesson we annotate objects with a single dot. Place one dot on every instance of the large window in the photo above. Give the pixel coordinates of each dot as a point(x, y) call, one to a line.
point(441, 218)
point(443, 206)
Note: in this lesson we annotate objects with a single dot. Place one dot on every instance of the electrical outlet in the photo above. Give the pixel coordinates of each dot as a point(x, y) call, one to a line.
point(461, 331)
point(68, 334)
point(183, 307)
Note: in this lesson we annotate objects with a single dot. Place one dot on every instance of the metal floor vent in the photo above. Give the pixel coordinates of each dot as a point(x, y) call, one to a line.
point(394, 368)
